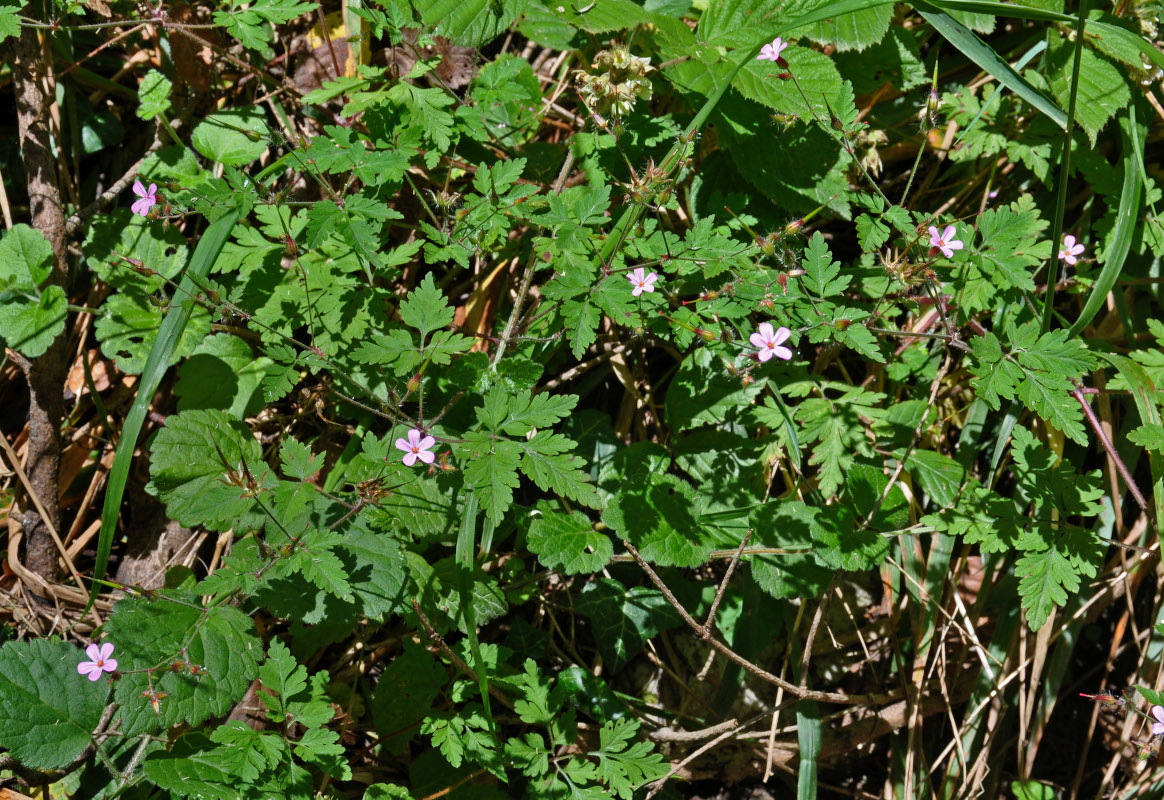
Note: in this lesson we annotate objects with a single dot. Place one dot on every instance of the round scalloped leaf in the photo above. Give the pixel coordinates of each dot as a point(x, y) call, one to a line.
point(218, 641)
point(569, 541)
point(128, 327)
point(188, 474)
point(232, 138)
point(29, 325)
point(26, 258)
point(47, 710)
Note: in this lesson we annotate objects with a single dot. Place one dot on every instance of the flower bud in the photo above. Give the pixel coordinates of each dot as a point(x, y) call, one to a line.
point(413, 384)
point(705, 335)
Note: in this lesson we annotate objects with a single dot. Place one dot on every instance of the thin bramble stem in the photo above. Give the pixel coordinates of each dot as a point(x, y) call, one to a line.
point(1092, 420)
point(710, 623)
point(709, 637)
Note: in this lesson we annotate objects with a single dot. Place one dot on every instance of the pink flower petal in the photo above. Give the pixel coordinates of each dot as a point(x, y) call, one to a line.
point(152, 191)
point(110, 665)
point(949, 233)
point(95, 674)
point(138, 189)
point(782, 352)
point(427, 442)
point(106, 651)
point(765, 354)
point(85, 667)
point(409, 459)
point(954, 245)
point(767, 331)
point(781, 336)
point(427, 456)
point(757, 340)
point(635, 292)
point(93, 651)
point(402, 444)
point(935, 240)
point(1158, 713)
point(1068, 242)
point(414, 438)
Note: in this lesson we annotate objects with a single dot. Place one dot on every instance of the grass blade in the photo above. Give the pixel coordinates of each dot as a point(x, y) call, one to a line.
point(984, 56)
point(808, 737)
point(205, 254)
point(1125, 226)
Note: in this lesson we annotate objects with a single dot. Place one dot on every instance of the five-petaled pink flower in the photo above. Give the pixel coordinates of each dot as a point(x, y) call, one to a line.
point(415, 447)
point(147, 198)
point(769, 341)
point(1158, 725)
point(771, 52)
point(1070, 250)
point(101, 661)
point(946, 242)
point(641, 281)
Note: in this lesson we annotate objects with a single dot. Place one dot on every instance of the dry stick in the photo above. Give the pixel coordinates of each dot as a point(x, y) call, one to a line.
point(14, 460)
point(1111, 452)
point(658, 787)
point(458, 662)
point(707, 636)
point(812, 630)
point(527, 278)
point(710, 624)
point(671, 735)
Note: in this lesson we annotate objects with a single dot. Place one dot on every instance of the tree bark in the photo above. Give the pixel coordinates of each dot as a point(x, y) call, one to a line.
point(32, 78)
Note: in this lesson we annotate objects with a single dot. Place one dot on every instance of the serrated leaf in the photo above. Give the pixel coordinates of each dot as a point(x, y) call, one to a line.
point(1149, 435)
point(48, 712)
point(548, 461)
point(623, 619)
point(472, 23)
point(1103, 90)
point(426, 309)
point(153, 95)
point(624, 766)
point(661, 516)
point(219, 641)
point(569, 542)
point(189, 476)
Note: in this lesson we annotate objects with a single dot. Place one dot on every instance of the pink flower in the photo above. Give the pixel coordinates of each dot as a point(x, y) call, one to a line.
point(148, 198)
point(769, 341)
point(946, 242)
point(1158, 725)
point(1069, 252)
point(771, 52)
point(101, 661)
point(415, 447)
point(642, 282)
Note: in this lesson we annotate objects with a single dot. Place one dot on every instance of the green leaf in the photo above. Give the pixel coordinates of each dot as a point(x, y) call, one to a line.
point(472, 23)
point(26, 259)
point(839, 545)
point(808, 736)
point(1044, 580)
point(404, 695)
point(1038, 370)
point(30, 325)
point(281, 673)
point(298, 460)
point(610, 15)
point(426, 309)
point(10, 19)
point(836, 425)
point(491, 469)
point(222, 372)
point(1103, 90)
point(548, 461)
point(315, 559)
point(856, 30)
point(661, 517)
point(822, 275)
point(203, 776)
point(1150, 436)
point(153, 95)
point(623, 619)
point(189, 476)
point(48, 712)
point(623, 766)
point(233, 138)
point(703, 393)
point(787, 526)
point(215, 650)
point(570, 542)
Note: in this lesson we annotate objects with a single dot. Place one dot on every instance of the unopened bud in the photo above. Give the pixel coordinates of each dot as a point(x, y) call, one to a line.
point(706, 336)
point(414, 383)
point(843, 324)
point(793, 227)
point(767, 245)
